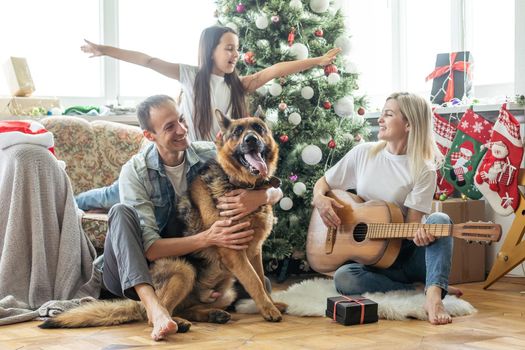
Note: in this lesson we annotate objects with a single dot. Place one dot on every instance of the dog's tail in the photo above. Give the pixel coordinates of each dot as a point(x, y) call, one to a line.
point(98, 313)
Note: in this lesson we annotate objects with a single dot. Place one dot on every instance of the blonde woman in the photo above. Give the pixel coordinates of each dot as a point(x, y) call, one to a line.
point(400, 168)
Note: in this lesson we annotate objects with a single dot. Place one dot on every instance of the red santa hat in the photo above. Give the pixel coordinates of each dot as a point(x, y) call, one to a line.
point(13, 132)
point(467, 148)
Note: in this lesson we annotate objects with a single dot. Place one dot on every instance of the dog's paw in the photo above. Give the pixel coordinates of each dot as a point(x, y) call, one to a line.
point(218, 316)
point(280, 306)
point(182, 324)
point(271, 314)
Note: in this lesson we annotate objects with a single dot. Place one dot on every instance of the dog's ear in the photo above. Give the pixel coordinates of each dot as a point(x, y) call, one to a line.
point(224, 121)
point(259, 113)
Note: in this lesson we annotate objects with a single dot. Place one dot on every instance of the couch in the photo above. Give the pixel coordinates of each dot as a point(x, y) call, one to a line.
point(94, 153)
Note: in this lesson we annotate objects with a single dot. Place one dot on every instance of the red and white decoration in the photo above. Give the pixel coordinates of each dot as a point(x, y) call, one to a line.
point(444, 133)
point(14, 132)
point(497, 174)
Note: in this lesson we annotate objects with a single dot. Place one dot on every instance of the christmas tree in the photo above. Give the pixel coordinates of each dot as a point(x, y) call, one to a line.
point(314, 115)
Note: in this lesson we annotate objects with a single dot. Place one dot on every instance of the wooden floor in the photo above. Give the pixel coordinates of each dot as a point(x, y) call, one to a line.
point(499, 324)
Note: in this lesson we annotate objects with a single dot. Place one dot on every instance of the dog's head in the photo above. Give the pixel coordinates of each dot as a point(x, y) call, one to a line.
point(246, 149)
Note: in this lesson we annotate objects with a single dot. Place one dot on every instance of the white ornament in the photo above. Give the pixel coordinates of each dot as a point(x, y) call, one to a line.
point(350, 67)
point(319, 6)
point(275, 89)
point(296, 4)
point(299, 188)
point(307, 92)
point(263, 43)
point(325, 138)
point(263, 90)
point(333, 78)
point(261, 22)
point(286, 203)
point(344, 43)
point(311, 154)
point(299, 51)
point(344, 107)
point(232, 26)
point(348, 137)
point(294, 118)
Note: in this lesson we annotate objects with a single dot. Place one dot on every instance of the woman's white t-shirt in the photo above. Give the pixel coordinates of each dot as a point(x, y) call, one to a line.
point(220, 95)
point(383, 177)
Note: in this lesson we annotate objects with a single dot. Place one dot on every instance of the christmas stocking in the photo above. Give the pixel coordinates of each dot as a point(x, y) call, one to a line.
point(444, 133)
point(497, 175)
point(466, 153)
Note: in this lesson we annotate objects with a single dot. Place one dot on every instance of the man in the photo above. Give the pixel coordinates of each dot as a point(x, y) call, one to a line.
point(142, 228)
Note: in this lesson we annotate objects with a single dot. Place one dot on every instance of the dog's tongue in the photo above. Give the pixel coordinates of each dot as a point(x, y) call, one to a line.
point(256, 161)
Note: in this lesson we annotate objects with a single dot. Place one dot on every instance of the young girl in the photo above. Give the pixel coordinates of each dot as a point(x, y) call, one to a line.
point(214, 84)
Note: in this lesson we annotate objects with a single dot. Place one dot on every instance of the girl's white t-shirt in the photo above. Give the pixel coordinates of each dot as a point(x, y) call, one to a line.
point(383, 177)
point(220, 95)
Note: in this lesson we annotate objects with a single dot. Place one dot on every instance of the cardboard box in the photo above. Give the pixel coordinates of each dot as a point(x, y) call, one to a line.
point(352, 309)
point(19, 77)
point(27, 106)
point(468, 259)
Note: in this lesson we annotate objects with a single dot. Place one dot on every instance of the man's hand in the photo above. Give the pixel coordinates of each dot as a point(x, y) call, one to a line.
point(91, 48)
point(422, 238)
point(241, 202)
point(223, 234)
point(325, 205)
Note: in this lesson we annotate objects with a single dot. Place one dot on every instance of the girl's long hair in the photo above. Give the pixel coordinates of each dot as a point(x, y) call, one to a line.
point(202, 113)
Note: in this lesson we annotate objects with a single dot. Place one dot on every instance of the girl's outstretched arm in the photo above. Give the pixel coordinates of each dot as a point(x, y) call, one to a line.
point(254, 81)
point(171, 70)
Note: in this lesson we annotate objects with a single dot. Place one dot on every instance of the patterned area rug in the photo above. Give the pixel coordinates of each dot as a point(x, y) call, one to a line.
point(308, 298)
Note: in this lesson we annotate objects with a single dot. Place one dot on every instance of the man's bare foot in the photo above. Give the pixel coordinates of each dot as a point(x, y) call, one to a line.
point(434, 306)
point(455, 291)
point(161, 321)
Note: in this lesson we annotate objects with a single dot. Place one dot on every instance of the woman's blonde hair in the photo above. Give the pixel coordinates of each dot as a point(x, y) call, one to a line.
point(422, 151)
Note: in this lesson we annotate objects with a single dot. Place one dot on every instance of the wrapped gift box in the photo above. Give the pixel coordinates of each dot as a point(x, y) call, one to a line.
point(350, 310)
point(468, 259)
point(460, 81)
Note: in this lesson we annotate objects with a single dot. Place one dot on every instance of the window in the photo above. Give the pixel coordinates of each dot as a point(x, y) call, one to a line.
point(49, 34)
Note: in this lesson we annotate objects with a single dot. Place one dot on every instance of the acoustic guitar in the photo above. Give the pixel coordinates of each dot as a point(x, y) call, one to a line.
point(371, 233)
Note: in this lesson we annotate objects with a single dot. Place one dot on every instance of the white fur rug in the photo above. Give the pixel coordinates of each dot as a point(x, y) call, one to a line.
point(308, 298)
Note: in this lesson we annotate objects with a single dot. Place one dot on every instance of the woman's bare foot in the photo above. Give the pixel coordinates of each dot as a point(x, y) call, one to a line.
point(162, 322)
point(454, 291)
point(437, 314)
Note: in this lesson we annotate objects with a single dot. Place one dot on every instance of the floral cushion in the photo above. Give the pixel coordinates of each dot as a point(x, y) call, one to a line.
point(95, 226)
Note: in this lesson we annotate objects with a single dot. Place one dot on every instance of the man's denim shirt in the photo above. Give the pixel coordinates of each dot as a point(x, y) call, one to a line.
point(144, 185)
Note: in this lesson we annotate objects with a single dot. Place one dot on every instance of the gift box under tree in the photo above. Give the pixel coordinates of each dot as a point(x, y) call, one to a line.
point(352, 309)
point(452, 77)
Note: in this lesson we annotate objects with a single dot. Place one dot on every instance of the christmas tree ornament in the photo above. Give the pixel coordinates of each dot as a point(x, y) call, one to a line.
point(331, 144)
point(319, 6)
point(286, 203)
point(293, 177)
point(262, 43)
point(233, 26)
point(294, 118)
point(299, 188)
point(319, 33)
point(240, 8)
point(275, 89)
point(497, 175)
point(283, 138)
point(464, 197)
point(263, 90)
point(361, 111)
point(325, 138)
point(275, 19)
point(343, 42)
point(261, 21)
point(249, 58)
point(348, 136)
point(327, 105)
point(282, 106)
point(296, 4)
point(311, 154)
point(299, 51)
point(307, 92)
point(443, 196)
point(291, 36)
point(333, 78)
point(344, 107)
point(330, 68)
point(466, 153)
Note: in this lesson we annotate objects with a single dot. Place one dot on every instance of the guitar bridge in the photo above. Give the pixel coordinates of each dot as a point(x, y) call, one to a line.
point(330, 240)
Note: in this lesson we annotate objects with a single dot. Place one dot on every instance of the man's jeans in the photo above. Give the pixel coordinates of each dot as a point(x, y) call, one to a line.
point(99, 198)
point(430, 264)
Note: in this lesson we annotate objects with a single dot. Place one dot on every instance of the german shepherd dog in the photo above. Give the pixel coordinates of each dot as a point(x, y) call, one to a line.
point(199, 287)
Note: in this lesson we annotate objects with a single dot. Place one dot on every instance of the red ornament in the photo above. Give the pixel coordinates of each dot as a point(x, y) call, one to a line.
point(291, 36)
point(249, 58)
point(361, 111)
point(240, 8)
point(330, 68)
point(327, 105)
point(283, 138)
point(319, 33)
point(331, 144)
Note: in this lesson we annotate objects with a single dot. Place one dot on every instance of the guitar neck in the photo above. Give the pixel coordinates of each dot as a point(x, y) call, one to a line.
point(408, 230)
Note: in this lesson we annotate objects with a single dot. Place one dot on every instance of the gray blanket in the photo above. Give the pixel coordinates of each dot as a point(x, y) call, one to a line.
point(45, 254)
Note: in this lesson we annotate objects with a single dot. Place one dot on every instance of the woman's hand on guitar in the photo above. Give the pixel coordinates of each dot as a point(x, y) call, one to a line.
point(422, 238)
point(325, 205)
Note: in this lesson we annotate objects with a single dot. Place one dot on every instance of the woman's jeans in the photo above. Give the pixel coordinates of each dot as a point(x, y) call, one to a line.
point(430, 264)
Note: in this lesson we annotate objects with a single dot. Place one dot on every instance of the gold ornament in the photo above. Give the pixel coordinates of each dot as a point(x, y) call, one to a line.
point(464, 196)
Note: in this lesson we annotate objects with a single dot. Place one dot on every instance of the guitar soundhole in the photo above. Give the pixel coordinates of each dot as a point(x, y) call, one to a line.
point(360, 231)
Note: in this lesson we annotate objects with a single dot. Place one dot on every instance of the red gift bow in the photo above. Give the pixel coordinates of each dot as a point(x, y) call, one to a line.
point(461, 66)
point(358, 301)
